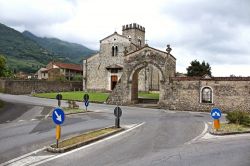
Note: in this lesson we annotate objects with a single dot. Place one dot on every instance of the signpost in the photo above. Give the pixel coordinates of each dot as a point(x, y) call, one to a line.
point(118, 114)
point(58, 118)
point(86, 101)
point(59, 98)
point(216, 115)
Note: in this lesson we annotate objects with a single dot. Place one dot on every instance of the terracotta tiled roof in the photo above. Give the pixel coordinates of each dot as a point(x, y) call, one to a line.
point(68, 66)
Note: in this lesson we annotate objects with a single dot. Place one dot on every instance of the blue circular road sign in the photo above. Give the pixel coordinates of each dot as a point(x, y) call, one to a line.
point(86, 103)
point(216, 113)
point(58, 116)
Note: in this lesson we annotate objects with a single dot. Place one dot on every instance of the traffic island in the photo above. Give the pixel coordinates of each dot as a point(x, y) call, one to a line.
point(83, 139)
point(230, 129)
point(69, 111)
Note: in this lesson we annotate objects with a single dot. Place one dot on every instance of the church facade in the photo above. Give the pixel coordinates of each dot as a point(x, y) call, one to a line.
point(126, 65)
point(103, 70)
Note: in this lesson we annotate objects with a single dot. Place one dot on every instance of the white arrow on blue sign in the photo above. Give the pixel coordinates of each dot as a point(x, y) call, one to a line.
point(86, 103)
point(58, 116)
point(216, 113)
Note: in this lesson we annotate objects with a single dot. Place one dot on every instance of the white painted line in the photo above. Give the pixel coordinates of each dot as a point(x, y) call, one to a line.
point(199, 136)
point(87, 146)
point(209, 136)
point(33, 119)
point(29, 160)
point(21, 120)
point(169, 112)
point(21, 157)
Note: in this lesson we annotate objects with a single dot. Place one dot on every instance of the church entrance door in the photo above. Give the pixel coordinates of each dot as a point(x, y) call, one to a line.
point(114, 80)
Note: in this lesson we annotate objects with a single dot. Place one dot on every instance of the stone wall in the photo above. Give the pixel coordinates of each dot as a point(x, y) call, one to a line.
point(229, 94)
point(30, 86)
point(126, 90)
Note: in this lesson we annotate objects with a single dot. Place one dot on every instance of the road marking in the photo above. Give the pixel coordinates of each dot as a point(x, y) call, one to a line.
point(169, 112)
point(29, 160)
point(32, 159)
point(209, 136)
point(21, 157)
point(21, 120)
point(199, 136)
point(87, 146)
point(33, 119)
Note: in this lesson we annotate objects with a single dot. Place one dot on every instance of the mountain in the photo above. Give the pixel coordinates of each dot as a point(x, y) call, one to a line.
point(22, 53)
point(27, 52)
point(62, 49)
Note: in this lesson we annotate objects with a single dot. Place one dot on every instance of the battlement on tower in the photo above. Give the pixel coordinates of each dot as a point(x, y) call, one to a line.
point(133, 26)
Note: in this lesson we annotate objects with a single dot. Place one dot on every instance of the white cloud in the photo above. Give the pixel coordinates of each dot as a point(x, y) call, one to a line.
point(217, 32)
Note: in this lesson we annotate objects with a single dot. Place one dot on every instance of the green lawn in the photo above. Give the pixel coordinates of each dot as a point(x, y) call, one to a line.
point(150, 95)
point(93, 96)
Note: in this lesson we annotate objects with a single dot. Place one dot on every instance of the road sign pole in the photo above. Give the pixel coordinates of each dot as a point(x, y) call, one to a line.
point(118, 114)
point(216, 124)
point(58, 134)
point(59, 103)
point(117, 122)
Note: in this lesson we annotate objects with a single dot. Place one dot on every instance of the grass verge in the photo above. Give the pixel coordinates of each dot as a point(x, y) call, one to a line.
point(83, 139)
point(231, 128)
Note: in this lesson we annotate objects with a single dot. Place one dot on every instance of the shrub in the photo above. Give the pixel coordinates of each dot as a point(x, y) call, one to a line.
point(238, 117)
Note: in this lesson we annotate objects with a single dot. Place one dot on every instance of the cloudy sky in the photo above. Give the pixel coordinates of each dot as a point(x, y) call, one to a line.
point(211, 30)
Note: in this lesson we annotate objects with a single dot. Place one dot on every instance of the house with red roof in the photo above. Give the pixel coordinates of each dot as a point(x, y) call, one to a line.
point(59, 71)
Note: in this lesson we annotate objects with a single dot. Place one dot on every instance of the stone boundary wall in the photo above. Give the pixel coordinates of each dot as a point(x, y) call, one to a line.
point(37, 86)
point(229, 94)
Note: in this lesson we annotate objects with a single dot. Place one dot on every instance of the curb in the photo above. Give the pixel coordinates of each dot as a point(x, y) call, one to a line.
point(78, 113)
point(229, 133)
point(80, 144)
point(74, 113)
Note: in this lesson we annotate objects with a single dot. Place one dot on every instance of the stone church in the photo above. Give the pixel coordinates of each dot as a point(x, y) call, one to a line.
point(103, 70)
point(126, 65)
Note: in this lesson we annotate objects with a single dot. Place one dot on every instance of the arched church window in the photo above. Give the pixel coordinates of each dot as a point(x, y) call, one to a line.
point(139, 42)
point(206, 95)
point(113, 51)
point(129, 38)
point(116, 50)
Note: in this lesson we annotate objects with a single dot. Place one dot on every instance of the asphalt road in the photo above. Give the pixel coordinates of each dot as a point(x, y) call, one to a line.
point(165, 138)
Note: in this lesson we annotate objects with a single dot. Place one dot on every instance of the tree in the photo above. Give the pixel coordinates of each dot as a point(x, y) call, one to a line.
point(199, 69)
point(4, 71)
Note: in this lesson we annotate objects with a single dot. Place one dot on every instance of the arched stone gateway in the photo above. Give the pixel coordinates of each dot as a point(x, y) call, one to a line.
point(126, 90)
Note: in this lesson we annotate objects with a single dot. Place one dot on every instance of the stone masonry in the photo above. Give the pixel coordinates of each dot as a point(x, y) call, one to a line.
point(99, 69)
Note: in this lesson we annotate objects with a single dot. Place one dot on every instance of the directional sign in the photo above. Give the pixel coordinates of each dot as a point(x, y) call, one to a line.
point(118, 112)
point(58, 116)
point(86, 103)
point(216, 113)
point(86, 97)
